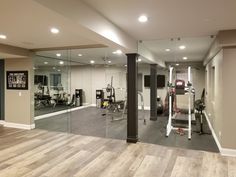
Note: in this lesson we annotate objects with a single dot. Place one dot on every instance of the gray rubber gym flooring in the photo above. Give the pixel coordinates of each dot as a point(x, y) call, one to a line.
point(92, 122)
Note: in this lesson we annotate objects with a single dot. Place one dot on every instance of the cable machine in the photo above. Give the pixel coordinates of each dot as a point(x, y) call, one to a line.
point(171, 93)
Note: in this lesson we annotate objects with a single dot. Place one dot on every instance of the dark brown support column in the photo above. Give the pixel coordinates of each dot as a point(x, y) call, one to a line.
point(132, 99)
point(153, 92)
point(2, 90)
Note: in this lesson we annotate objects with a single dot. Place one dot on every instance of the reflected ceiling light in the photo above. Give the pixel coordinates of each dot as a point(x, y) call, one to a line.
point(59, 70)
point(109, 61)
point(143, 19)
point(45, 62)
point(182, 47)
point(125, 65)
point(139, 60)
point(61, 62)
point(54, 68)
point(185, 58)
point(58, 54)
point(117, 52)
point(92, 61)
point(54, 30)
point(2, 36)
point(34, 68)
point(80, 55)
point(177, 64)
point(167, 50)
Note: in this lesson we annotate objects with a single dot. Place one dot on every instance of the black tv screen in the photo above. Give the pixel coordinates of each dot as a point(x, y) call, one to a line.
point(160, 81)
point(146, 81)
point(40, 79)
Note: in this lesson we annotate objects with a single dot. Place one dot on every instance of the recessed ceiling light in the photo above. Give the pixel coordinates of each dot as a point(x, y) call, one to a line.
point(34, 68)
point(167, 50)
point(2, 36)
point(117, 52)
point(177, 64)
point(185, 58)
point(92, 61)
point(59, 70)
point(45, 62)
point(61, 62)
point(80, 55)
point(58, 54)
point(182, 47)
point(54, 68)
point(139, 60)
point(109, 61)
point(54, 30)
point(143, 19)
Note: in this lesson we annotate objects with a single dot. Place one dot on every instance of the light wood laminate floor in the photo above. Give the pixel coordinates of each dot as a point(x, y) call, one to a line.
point(51, 154)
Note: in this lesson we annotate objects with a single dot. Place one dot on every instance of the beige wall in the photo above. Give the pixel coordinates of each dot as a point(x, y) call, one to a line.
point(19, 103)
point(220, 97)
point(229, 99)
point(214, 93)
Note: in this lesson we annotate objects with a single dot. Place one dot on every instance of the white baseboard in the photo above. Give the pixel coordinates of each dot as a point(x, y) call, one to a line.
point(20, 126)
point(223, 151)
point(228, 152)
point(2, 122)
point(60, 112)
point(147, 108)
point(212, 131)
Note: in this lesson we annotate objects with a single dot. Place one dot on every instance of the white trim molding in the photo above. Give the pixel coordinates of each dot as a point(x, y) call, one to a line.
point(2, 122)
point(60, 112)
point(20, 126)
point(223, 151)
point(146, 108)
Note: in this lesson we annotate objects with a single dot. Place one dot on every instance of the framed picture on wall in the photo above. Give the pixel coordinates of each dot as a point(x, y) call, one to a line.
point(17, 80)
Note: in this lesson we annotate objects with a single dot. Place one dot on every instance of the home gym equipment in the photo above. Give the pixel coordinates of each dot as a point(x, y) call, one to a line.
point(173, 90)
point(117, 108)
point(200, 106)
point(42, 97)
point(142, 108)
point(110, 103)
point(78, 97)
point(99, 98)
point(159, 105)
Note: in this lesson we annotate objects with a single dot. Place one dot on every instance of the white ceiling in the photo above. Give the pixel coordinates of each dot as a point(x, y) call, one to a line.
point(99, 55)
point(196, 48)
point(169, 18)
point(27, 24)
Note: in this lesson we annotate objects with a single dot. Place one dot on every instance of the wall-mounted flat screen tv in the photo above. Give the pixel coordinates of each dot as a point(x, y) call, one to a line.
point(40, 79)
point(160, 81)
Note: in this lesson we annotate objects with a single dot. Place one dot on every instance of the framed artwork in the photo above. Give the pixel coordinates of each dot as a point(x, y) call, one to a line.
point(17, 80)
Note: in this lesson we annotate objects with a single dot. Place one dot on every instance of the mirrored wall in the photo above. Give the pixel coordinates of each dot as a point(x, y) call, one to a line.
point(81, 91)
